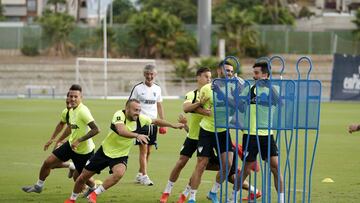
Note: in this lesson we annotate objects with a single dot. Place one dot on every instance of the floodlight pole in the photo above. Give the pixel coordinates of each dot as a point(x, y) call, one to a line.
point(105, 55)
point(204, 27)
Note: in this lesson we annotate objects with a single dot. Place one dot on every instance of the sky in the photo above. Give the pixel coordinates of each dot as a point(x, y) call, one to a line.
point(92, 7)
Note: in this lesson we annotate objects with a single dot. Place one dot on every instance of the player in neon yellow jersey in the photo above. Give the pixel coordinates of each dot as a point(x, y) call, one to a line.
point(125, 126)
point(191, 105)
point(64, 120)
point(259, 115)
point(79, 148)
point(207, 140)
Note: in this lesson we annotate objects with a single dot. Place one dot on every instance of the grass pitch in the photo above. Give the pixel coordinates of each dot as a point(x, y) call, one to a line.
point(26, 125)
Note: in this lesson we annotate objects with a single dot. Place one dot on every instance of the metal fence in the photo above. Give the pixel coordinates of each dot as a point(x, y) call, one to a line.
point(278, 39)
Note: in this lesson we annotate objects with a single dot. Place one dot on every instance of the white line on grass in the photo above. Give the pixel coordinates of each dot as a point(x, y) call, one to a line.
point(25, 164)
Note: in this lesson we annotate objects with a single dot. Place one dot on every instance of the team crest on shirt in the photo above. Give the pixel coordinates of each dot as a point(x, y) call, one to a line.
point(200, 149)
point(154, 94)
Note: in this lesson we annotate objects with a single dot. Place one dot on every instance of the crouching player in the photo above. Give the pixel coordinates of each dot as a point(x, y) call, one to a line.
point(114, 150)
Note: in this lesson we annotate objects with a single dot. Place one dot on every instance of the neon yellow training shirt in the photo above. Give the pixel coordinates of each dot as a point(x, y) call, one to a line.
point(79, 118)
point(195, 118)
point(207, 122)
point(115, 145)
point(63, 115)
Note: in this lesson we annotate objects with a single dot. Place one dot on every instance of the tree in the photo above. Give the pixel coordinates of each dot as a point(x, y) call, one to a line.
point(96, 42)
point(237, 28)
point(161, 35)
point(269, 15)
point(57, 28)
point(186, 10)
point(56, 3)
point(262, 13)
point(122, 10)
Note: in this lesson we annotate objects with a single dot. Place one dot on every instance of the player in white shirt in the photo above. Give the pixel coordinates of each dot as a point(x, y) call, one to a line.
point(149, 95)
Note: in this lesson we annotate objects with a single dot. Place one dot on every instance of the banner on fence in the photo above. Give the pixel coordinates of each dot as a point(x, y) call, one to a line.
point(345, 83)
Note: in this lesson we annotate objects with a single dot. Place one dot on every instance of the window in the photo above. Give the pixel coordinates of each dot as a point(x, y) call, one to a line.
point(31, 5)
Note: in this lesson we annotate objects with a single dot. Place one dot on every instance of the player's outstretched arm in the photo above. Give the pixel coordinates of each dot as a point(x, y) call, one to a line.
point(182, 119)
point(94, 130)
point(354, 128)
point(124, 132)
point(164, 123)
point(57, 130)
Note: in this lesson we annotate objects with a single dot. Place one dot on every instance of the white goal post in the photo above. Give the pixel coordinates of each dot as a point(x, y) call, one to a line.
point(112, 78)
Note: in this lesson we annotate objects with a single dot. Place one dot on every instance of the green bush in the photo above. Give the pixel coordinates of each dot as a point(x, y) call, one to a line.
point(305, 12)
point(211, 62)
point(257, 51)
point(182, 69)
point(29, 50)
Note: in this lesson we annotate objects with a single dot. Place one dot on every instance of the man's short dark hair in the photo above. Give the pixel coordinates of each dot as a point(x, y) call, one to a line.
point(264, 67)
point(68, 94)
point(202, 70)
point(76, 87)
point(129, 101)
point(223, 63)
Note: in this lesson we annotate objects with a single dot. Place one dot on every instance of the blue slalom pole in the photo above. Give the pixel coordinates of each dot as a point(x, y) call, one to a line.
point(278, 130)
point(264, 171)
point(306, 121)
point(226, 126)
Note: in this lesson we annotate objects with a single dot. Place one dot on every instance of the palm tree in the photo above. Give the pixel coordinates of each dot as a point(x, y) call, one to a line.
point(57, 28)
point(236, 28)
point(158, 34)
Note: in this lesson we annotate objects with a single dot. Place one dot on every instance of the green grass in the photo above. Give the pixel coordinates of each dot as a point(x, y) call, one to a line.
point(27, 124)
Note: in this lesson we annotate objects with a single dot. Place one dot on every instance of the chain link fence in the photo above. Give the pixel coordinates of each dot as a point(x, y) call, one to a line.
point(278, 39)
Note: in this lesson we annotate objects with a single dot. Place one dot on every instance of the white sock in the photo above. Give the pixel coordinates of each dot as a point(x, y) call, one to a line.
point(282, 197)
point(99, 190)
point(187, 190)
point(192, 194)
point(169, 187)
point(71, 166)
point(215, 187)
point(253, 190)
point(232, 195)
point(40, 183)
point(74, 196)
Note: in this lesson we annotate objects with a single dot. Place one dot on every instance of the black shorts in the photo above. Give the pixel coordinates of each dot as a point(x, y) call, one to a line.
point(151, 131)
point(100, 161)
point(214, 161)
point(189, 147)
point(253, 147)
point(207, 143)
point(64, 153)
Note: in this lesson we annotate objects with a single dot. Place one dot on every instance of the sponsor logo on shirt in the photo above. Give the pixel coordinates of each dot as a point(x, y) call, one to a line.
point(149, 101)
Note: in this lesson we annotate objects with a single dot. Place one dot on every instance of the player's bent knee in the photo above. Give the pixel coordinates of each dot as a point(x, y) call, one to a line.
point(51, 161)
